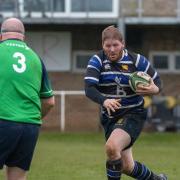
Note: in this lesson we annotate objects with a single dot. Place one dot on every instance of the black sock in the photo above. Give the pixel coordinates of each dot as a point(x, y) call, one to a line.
point(141, 172)
point(114, 169)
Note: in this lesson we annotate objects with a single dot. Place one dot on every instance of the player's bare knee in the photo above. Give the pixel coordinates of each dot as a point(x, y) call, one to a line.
point(112, 151)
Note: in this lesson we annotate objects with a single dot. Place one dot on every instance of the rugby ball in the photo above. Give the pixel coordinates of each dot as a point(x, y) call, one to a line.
point(137, 78)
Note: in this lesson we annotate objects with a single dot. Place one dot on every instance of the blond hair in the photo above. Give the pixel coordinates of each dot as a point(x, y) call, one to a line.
point(111, 32)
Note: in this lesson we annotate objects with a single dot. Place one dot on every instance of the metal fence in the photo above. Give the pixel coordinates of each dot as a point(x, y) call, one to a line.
point(75, 112)
point(76, 8)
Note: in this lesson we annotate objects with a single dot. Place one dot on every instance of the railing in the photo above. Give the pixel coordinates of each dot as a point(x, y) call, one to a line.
point(163, 111)
point(60, 8)
point(104, 9)
point(62, 94)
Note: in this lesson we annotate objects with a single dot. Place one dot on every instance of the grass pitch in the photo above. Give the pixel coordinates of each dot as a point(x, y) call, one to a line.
point(82, 156)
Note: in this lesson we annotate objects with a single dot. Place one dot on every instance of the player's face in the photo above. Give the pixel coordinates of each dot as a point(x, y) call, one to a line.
point(113, 48)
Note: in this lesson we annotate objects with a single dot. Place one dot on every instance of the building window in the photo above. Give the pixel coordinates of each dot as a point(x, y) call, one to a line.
point(59, 5)
point(7, 6)
point(80, 60)
point(78, 6)
point(101, 6)
point(36, 8)
point(94, 8)
point(177, 62)
point(91, 5)
point(166, 62)
point(44, 5)
point(42, 8)
point(62, 8)
point(160, 61)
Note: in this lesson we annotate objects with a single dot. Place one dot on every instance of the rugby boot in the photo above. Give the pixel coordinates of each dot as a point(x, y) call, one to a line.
point(158, 177)
point(162, 177)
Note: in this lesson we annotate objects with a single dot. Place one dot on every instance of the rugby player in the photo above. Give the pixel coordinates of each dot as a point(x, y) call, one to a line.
point(26, 97)
point(122, 112)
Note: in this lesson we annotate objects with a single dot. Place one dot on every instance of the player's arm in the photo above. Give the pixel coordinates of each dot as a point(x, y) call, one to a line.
point(151, 89)
point(155, 86)
point(93, 93)
point(46, 93)
point(91, 80)
point(46, 105)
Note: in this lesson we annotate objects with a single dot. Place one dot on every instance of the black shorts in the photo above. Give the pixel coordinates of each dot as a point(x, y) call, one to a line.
point(132, 122)
point(17, 144)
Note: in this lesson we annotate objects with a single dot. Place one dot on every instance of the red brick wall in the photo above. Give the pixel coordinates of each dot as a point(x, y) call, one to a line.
point(154, 8)
point(67, 81)
point(82, 114)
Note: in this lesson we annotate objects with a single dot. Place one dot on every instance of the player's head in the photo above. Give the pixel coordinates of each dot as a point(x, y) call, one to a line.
point(12, 28)
point(112, 43)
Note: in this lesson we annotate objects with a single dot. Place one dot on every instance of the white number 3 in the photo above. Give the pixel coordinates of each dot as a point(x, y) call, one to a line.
point(21, 67)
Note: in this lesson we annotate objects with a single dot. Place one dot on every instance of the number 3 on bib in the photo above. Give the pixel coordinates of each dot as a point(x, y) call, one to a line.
point(20, 67)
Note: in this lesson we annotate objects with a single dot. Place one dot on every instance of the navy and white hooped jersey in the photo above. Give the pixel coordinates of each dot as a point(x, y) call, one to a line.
point(112, 78)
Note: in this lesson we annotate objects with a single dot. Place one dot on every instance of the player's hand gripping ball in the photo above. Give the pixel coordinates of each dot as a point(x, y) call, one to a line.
point(139, 78)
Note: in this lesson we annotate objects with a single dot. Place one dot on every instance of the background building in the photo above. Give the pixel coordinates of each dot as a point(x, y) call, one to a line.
point(67, 32)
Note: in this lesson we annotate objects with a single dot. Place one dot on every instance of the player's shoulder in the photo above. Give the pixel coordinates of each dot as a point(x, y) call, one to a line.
point(130, 56)
point(100, 53)
point(131, 53)
point(2, 44)
point(31, 51)
point(97, 58)
point(137, 57)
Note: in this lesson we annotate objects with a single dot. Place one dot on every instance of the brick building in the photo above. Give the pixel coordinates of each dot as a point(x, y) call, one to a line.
point(67, 32)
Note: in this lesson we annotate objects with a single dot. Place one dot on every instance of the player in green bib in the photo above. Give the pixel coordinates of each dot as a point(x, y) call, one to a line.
point(26, 97)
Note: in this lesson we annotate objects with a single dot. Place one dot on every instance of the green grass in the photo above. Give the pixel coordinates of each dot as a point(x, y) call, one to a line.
point(82, 156)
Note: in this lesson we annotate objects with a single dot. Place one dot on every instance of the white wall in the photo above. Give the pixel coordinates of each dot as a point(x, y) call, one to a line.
point(53, 47)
